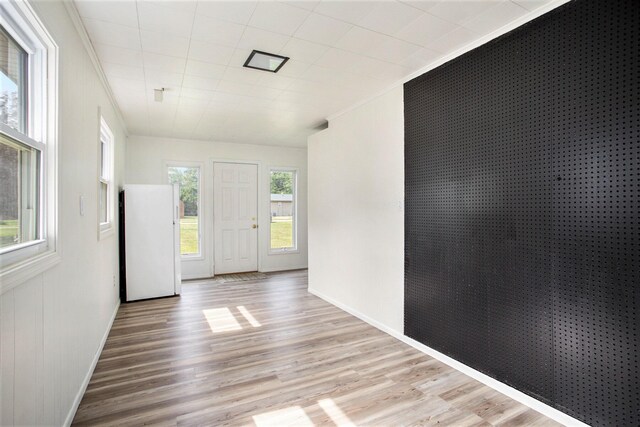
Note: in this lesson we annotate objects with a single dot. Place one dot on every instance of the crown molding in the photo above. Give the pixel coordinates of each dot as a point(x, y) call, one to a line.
point(86, 41)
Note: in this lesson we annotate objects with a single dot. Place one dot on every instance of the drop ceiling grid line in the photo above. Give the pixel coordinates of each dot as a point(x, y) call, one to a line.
point(144, 73)
point(226, 67)
point(184, 72)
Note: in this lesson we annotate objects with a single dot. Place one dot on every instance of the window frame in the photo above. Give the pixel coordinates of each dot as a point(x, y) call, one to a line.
point(294, 226)
point(105, 136)
point(22, 261)
point(200, 166)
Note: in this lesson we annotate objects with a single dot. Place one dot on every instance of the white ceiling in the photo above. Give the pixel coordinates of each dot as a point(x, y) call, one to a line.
point(341, 52)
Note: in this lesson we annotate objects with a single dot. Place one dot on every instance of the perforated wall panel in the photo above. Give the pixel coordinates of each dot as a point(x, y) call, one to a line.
point(522, 246)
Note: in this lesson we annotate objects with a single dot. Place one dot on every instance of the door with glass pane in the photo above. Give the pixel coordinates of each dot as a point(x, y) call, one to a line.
point(188, 177)
point(235, 210)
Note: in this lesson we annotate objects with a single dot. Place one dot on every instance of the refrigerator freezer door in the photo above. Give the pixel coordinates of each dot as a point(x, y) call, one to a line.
point(150, 244)
point(176, 239)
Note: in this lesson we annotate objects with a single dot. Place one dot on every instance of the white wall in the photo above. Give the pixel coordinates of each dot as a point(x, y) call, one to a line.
point(52, 325)
point(146, 164)
point(356, 257)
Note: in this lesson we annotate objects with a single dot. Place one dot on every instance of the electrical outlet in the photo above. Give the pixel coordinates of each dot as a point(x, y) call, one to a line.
point(114, 280)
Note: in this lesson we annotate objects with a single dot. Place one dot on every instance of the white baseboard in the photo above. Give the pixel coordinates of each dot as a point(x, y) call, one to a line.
point(501, 387)
point(283, 269)
point(87, 377)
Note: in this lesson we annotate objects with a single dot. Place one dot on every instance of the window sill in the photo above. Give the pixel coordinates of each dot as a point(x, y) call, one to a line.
point(106, 232)
point(16, 274)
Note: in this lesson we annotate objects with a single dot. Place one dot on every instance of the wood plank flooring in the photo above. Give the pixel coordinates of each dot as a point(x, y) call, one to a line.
point(266, 352)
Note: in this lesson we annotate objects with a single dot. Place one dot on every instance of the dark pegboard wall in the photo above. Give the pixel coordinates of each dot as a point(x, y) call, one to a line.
point(522, 234)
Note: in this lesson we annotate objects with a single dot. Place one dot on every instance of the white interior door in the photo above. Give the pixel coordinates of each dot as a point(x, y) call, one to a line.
point(235, 217)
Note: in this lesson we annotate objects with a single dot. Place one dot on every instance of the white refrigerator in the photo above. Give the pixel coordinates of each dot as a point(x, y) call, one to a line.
point(151, 234)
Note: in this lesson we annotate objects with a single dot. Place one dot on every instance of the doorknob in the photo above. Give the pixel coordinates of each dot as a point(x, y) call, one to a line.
point(254, 226)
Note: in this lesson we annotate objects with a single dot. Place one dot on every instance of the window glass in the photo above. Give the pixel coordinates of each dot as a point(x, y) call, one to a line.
point(105, 196)
point(283, 209)
point(188, 178)
point(19, 169)
point(12, 83)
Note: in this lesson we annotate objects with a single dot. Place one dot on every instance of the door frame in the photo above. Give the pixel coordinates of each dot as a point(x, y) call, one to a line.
point(258, 163)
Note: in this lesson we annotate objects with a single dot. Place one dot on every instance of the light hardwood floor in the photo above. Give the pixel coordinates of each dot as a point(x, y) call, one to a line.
point(266, 352)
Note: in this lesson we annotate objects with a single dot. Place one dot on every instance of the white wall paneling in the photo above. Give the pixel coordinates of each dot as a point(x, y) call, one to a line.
point(357, 164)
point(53, 324)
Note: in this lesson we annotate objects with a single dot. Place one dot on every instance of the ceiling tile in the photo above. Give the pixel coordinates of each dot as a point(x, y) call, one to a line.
point(360, 40)
point(118, 55)
point(349, 11)
point(124, 71)
point(495, 17)
point(123, 13)
point(421, 59)
point(159, 17)
point(302, 4)
point(163, 63)
point(458, 12)
point(267, 41)
point(197, 93)
point(293, 68)
point(209, 52)
point(187, 6)
point(129, 85)
point(531, 4)
point(276, 81)
point(239, 57)
point(277, 17)
point(338, 59)
point(233, 11)
point(158, 79)
point(195, 82)
point(453, 40)
point(425, 29)
point(164, 44)
point(205, 69)
point(112, 34)
point(303, 50)
point(234, 88)
point(322, 29)
point(241, 75)
point(393, 50)
point(389, 17)
point(377, 69)
point(216, 31)
point(424, 5)
point(264, 92)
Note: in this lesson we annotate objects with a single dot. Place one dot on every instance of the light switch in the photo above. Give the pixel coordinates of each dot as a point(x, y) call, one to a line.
point(81, 205)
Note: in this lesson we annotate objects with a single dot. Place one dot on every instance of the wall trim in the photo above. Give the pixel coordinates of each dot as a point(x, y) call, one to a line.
point(501, 387)
point(72, 11)
point(87, 377)
point(466, 48)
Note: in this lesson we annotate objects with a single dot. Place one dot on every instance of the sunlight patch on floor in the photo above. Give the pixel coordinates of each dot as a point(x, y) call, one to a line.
point(252, 320)
point(221, 320)
point(292, 416)
point(335, 413)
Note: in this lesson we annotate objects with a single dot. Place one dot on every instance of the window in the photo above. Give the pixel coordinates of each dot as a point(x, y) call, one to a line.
point(13, 82)
point(188, 178)
point(283, 210)
point(28, 100)
point(105, 181)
